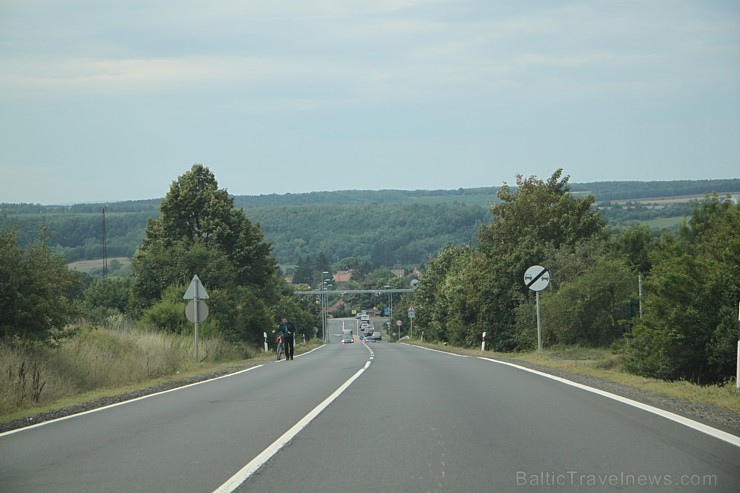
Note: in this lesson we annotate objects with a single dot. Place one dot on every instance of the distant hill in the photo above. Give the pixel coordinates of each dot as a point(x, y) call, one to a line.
point(626, 190)
point(384, 227)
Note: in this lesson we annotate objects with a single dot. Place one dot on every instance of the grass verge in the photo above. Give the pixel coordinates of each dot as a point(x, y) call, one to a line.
point(94, 365)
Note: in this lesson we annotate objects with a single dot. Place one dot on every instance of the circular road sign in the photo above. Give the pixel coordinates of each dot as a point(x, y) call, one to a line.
point(537, 278)
point(202, 311)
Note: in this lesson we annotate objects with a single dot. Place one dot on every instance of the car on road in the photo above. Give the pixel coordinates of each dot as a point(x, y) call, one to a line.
point(376, 336)
point(347, 339)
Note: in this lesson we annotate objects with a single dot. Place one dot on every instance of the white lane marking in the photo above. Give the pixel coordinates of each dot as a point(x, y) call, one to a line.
point(311, 351)
point(253, 466)
point(372, 353)
point(437, 350)
point(126, 402)
point(724, 436)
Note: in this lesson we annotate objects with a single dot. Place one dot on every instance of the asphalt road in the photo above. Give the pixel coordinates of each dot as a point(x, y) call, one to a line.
point(410, 420)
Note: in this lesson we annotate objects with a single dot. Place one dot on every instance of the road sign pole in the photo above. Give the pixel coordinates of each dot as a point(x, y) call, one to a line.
point(539, 325)
point(197, 316)
point(196, 292)
point(537, 278)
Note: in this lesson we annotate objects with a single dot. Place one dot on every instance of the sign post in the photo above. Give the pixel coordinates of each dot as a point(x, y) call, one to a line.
point(197, 310)
point(399, 323)
point(537, 278)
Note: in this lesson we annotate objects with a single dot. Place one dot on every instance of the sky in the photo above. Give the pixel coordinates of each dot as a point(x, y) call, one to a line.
point(106, 101)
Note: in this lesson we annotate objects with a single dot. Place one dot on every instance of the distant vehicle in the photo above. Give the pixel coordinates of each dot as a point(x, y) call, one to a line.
point(365, 318)
point(347, 339)
point(376, 336)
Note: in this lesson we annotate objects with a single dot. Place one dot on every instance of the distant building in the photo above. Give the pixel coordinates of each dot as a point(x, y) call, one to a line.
point(399, 272)
point(342, 277)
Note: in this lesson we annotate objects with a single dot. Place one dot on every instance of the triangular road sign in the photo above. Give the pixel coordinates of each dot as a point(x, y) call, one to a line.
point(195, 290)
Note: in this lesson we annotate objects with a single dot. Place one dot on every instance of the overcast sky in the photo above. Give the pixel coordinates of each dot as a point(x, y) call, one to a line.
point(104, 100)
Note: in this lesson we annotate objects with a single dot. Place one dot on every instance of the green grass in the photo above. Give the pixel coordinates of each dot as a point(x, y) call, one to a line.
point(664, 222)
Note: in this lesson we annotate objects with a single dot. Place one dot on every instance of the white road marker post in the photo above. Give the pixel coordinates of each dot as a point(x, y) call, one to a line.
point(483, 344)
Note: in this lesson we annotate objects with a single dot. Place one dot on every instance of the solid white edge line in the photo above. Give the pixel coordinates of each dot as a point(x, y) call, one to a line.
point(437, 350)
point(51, 421)
point(708, 430)
point(253, 466)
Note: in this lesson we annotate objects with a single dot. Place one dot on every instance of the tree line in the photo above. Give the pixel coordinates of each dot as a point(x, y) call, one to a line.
point(198, 231)
point(691, 275)
point(381, 228)
point(691, 283)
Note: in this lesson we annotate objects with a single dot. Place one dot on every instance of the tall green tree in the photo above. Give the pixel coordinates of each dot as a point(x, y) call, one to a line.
point(592, 308)
point(199, 231)
point(538, 218)
point(635, 243)
point(688, 330)
point(37, 291)
point(304, 272)
point(432, 301)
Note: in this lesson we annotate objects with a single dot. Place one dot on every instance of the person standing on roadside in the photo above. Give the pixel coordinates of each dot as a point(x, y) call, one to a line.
point(288, 332)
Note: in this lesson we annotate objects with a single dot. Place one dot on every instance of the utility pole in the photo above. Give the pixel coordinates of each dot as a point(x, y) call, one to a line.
point(105, 247)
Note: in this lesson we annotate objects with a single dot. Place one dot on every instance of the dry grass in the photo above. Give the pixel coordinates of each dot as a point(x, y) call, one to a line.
point(96, 363)
point(90, 265)
point(93, 359)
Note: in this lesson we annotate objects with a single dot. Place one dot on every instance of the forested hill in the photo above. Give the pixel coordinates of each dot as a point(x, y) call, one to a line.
point(632, 190)
point(484, 196)
point(385, 227)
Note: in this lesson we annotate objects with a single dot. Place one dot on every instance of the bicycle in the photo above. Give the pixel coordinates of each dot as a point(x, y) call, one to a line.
point(280, 348)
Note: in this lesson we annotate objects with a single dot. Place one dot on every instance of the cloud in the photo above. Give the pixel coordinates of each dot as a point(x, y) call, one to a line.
point(363, 50)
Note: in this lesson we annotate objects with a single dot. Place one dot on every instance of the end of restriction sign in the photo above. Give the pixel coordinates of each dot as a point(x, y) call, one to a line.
point(537, 278)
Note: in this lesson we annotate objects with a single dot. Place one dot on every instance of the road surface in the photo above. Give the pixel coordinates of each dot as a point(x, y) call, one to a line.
point(386, 417)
